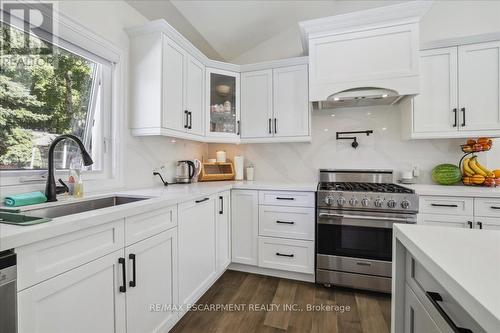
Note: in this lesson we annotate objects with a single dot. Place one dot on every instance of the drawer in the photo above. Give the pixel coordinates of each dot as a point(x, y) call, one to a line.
point(287, 198)
point(139, 227)
point(286, 254)
point(45, 259)
point(487, 207)
point(456, 221)
point(446, 205)
point(422, 282)
point(286, 222)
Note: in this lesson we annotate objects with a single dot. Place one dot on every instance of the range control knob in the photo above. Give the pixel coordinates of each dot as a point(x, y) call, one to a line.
point(378, 203)
point(405, 204)
point(329, 200)
point(353, 201)
point(341, 201)
point(365, 202)
point(391, 204)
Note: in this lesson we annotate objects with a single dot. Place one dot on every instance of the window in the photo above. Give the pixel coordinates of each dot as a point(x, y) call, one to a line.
point(55, 88)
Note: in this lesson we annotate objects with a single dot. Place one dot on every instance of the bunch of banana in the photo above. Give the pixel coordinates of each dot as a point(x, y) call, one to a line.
point(474, 172)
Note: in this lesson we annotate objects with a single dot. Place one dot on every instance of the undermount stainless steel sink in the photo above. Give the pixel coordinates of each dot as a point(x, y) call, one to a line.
point(70, 208)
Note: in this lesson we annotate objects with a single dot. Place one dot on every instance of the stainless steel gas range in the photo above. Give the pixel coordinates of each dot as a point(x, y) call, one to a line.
point(356, 210)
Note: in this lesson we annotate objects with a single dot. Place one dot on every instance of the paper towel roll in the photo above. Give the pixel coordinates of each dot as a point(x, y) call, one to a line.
point(221, 156)
point(238, 167)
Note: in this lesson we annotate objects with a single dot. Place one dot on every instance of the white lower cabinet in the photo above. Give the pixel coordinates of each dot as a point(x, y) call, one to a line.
point(197, 262)
point(85, 299)
point(223, 230)
point(417, 319)
point(446, 220)
point(244, 226)
point(286, 254)
point(152, 283)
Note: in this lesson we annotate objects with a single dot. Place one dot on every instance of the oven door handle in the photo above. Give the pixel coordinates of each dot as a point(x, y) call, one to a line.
point(390, 220)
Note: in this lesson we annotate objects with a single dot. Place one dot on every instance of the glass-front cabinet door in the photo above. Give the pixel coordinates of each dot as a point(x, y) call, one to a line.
point(223, 102)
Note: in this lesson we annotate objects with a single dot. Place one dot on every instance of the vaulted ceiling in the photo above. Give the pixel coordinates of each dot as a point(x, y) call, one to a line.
point(231, 28)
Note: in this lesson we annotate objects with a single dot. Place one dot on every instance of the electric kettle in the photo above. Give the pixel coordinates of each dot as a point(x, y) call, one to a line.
point(187, 171)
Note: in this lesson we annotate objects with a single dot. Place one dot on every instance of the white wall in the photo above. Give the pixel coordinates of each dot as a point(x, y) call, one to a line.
point(383, 149)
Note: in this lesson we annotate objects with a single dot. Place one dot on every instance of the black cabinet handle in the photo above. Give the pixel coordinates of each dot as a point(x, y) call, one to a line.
point(132, 283)
point(444, 205)
point(270, 124)
point(455, 124)
point(190, 120)
point(495, 207)
point(275, 126)
point(435, 298)
point(463, 116)
point(123, 287)
point(282, 198)
point(284, 255)
point(221, 210)
point(480, 225)
point(285, 222)
point(186, 120)
point(238, 127)
point(470, 224)
point(202, 200)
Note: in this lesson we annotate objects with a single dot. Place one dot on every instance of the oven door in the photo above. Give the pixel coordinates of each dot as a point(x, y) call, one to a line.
point(365, 235)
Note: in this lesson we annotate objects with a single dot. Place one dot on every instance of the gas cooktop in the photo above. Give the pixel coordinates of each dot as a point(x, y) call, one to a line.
point(363, 187)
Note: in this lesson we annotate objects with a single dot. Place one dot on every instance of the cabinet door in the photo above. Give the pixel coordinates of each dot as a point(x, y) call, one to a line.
point(435, 108)
point(223, 228)
point(244, 226)
point(196, 229)
point(84, 299)
point(479, 86)
point(417, 319)
point(194, 93)
point(446, 220)
point(291, 101)
point(223, 103)
point(154, 262)
point(488, 223)
point(174, 58)
point(257, 104)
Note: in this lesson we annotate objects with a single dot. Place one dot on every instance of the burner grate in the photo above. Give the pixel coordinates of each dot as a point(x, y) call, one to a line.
point(364, 187)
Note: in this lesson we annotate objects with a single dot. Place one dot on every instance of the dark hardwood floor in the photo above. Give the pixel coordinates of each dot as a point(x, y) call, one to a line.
point(368, 312)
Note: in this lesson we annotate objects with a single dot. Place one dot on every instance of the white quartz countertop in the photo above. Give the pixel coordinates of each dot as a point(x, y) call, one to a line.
point(456, 190)
point(465, 262)
point(12, 236)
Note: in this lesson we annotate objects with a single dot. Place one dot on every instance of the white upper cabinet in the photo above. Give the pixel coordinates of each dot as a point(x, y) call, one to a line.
point(291, 101)
point(275, 105)
point(256, 104)
point(460, 93)
point(436, 108)
point(479, 86)
point(223, 105)
point(172, 85)
point(194, 93)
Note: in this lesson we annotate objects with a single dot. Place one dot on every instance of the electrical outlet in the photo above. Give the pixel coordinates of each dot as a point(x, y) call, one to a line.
point(416, 171)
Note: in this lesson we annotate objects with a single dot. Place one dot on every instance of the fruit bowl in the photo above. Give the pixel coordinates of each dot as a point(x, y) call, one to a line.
point(476, 146)
point(473, 173)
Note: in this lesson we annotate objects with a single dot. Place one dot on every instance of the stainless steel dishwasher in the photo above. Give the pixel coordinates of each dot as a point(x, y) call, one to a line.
point(8, 292)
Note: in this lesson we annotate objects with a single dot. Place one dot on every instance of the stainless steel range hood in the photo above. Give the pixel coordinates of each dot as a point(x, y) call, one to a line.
point(367, 96)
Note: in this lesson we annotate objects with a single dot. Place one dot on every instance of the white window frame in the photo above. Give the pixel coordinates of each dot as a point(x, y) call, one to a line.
point(76, 38)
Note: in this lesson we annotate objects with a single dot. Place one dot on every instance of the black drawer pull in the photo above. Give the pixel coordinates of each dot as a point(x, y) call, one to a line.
point(281, 198)
point(123, 287)
point(470, 224)
point(202, 200)
point(480, 225)
point(435, 298)
point(221, 210)
point(285, 255)
point(270, 124)
point(444, 205)
point(186, 120)
point(495, 207)
point(132, 283)
point(285, 222)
